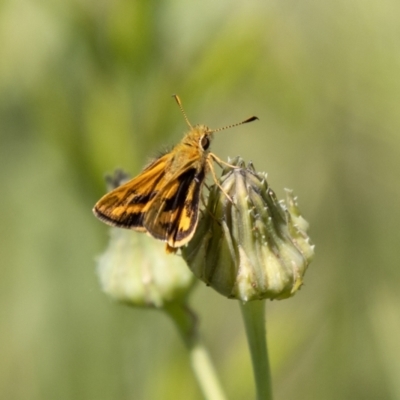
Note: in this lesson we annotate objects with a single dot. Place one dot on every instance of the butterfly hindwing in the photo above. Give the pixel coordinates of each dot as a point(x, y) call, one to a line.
point(173, 213)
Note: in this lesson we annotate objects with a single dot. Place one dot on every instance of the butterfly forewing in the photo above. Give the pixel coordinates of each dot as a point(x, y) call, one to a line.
point(126, 205)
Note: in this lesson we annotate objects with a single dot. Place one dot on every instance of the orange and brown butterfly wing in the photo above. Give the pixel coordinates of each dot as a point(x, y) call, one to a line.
point(126, 205)
point(173, 214)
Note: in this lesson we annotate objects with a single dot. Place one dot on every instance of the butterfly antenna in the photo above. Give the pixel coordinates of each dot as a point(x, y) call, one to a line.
point(251, 119)
point(178, 100)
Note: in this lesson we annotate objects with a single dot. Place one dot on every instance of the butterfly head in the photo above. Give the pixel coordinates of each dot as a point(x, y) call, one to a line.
point(202, 135)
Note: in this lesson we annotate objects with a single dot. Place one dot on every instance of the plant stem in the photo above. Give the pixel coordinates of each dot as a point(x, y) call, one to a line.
point(205, 372)
point(202, 366)
point(253, 313)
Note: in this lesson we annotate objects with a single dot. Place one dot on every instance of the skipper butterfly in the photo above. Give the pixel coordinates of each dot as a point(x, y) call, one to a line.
point(164, 199)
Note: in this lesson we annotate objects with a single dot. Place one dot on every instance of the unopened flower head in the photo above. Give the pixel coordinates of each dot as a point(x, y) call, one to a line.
point(248, 245)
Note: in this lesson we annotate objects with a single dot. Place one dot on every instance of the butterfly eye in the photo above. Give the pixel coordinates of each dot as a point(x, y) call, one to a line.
point(205, 142)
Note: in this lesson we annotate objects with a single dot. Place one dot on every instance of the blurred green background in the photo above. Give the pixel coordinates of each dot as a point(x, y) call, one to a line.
point(85, 87)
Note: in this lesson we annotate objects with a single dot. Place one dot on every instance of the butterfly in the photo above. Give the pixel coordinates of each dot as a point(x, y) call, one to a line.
point(164, 199)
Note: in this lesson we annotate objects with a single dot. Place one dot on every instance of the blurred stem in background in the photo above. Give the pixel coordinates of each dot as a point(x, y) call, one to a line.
point(202, 365)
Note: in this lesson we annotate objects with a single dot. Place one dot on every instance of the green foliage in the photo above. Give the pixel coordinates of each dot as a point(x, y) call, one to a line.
point(85, 87)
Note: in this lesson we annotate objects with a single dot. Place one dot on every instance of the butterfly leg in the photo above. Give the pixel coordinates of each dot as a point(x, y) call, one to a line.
point(216, 180)
point(220, 162)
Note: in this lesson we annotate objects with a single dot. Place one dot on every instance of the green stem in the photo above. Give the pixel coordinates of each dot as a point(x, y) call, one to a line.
point(253, 313)
point(205, 372)
point(202, 366)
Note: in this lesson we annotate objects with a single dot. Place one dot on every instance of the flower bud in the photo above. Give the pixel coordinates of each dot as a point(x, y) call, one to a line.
point(248, 245)
point(135, 269)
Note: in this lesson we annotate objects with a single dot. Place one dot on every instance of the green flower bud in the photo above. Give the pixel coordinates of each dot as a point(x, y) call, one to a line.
point(135, 269)
point(249, 245)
